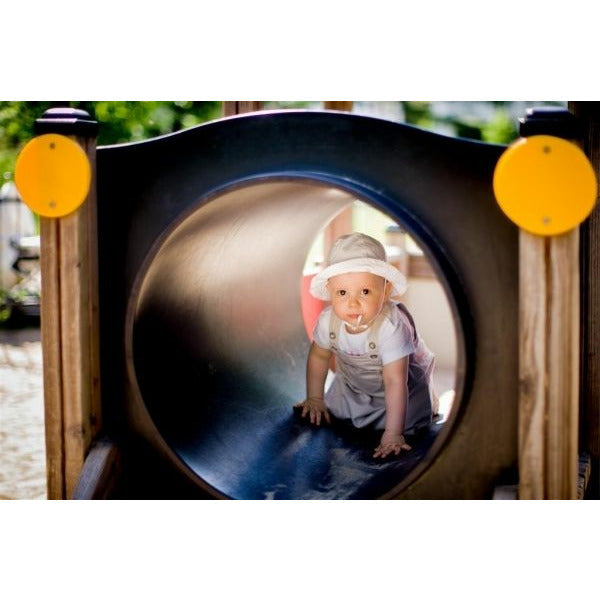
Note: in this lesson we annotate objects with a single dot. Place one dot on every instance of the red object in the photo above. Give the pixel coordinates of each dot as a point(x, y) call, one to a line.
point(311, 306)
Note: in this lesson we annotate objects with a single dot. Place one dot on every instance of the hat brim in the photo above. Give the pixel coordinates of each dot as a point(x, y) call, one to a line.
point(318, 285)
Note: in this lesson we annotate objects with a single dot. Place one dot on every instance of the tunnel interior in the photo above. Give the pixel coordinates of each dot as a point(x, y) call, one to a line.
point(219, 347)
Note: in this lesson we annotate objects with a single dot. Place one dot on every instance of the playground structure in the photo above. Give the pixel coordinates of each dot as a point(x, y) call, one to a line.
point(174, 345)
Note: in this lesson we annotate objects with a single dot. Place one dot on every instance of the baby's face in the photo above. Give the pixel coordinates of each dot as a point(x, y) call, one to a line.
point(355, 295)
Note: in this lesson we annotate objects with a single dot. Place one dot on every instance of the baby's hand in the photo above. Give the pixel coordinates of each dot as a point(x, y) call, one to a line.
point(315, 408)
point(391, 442)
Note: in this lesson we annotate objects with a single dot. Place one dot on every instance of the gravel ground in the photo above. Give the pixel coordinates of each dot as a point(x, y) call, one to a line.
point(22, 450)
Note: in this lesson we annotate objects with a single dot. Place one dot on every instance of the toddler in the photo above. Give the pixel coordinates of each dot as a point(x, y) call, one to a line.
point(384, 370)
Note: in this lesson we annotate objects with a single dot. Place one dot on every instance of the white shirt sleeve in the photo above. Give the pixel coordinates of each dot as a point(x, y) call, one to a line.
point(395, 338)
point(321, 330)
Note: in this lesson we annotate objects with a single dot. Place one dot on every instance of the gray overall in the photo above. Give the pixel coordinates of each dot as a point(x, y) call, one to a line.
point(357, 391)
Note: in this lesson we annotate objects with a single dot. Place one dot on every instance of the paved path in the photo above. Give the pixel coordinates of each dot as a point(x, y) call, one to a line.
point(22, 450)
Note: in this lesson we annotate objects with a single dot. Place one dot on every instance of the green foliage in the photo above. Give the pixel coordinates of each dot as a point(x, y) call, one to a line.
point(12, 297)
point(4, 306)
point(417, 113)
point(287, 104)
point(16, 128)
point(121, 121)
point(133, 121)
point(501, 129)
point(125, 121)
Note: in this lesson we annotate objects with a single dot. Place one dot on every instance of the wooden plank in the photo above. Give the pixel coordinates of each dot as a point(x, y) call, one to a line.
point(549, 366)
point(238, 107)
point(51, 355)
point(70, 338)
point(78, 264)
point(343, 105)
point(75, 340)
point(70, 263)
point(532, 365)
point(551, 369)
point(100, 472)
point(563, 365)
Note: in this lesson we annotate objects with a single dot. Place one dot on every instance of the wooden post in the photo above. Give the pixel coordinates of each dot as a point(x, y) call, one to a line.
point(549, 362)
point(69, 319)
point(549, 366)
point(238, 107)
point(343, 105)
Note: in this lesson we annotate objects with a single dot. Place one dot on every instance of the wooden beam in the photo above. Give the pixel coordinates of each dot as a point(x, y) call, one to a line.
point(237, 107)
point(70, 329)
point(549, 349)
point(549, 366)
point(563, 365)
point(559, 332)
point(342, 105)
point(100, 473)
point(50, 323)
point(532, 365)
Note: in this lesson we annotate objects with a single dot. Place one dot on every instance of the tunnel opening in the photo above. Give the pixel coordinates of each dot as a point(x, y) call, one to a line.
point(219, 336)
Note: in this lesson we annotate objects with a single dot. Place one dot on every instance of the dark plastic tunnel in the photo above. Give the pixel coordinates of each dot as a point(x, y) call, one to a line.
point(203, 239)
point(220, 312)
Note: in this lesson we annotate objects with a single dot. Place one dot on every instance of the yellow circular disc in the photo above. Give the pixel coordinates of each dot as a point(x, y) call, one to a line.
point(53, 175)
point(544, 184)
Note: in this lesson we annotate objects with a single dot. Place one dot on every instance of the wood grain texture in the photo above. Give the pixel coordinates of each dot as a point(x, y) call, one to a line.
point(549, 366)
point(343, 105)
point(237, 107)
point(532, 365)
point(563, 366)
point(69, 317)
point(50, 321)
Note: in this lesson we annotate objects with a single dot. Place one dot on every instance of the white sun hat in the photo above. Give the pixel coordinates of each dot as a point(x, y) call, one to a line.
point(357, 253)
